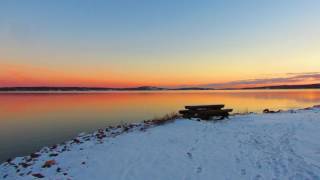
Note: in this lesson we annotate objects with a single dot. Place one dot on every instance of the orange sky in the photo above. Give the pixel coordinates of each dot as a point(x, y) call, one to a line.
point(27, 75)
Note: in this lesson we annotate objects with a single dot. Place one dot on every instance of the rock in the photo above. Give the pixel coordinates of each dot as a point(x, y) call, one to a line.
point(53, 155)
point(9, 160)
point(125, 128)
point(38, 175)
point(49, 163)
point(131, 126)
point(101, 135)
point(54, 146)
point(268, 111)
point(24, 165)
point(29, 160)
point(316, 106)
point(76, 141)
point(34, 155)
point(64, 148)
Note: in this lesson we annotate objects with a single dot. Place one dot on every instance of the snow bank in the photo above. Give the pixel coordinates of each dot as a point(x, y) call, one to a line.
point(257, 146)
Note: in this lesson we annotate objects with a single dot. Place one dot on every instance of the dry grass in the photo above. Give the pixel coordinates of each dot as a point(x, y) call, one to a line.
point(164, 119)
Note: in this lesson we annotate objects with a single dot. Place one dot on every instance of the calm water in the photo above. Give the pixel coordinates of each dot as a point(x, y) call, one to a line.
point(30, 121)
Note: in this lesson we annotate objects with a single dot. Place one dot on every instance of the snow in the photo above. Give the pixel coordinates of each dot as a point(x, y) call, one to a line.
point(256, 146)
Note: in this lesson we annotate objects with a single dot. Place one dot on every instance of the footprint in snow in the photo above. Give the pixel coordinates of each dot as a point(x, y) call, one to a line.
point(199, 169)
point(189, 155)
point(259, 166)
point(243, 172)
point(237, 160)
point(257, 177)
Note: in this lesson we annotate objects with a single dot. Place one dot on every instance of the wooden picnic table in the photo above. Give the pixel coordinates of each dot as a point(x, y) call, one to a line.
point(205, 112)
point(211, 107)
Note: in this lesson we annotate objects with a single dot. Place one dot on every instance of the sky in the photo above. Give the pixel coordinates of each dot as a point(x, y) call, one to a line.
point(167, 43)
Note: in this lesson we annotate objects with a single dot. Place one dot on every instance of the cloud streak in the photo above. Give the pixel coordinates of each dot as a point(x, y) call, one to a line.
point(292, 78)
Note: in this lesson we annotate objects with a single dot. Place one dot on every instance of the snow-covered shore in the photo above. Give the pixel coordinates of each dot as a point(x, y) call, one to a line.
point(256, 146)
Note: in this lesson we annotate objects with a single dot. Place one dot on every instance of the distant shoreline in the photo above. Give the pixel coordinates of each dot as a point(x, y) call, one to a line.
point(87, 89)
point(147, 88)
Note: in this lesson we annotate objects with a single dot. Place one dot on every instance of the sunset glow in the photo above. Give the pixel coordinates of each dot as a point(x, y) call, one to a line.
point(159, 43)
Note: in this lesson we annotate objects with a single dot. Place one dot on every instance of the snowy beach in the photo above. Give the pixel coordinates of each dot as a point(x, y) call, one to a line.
point(254, 146)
